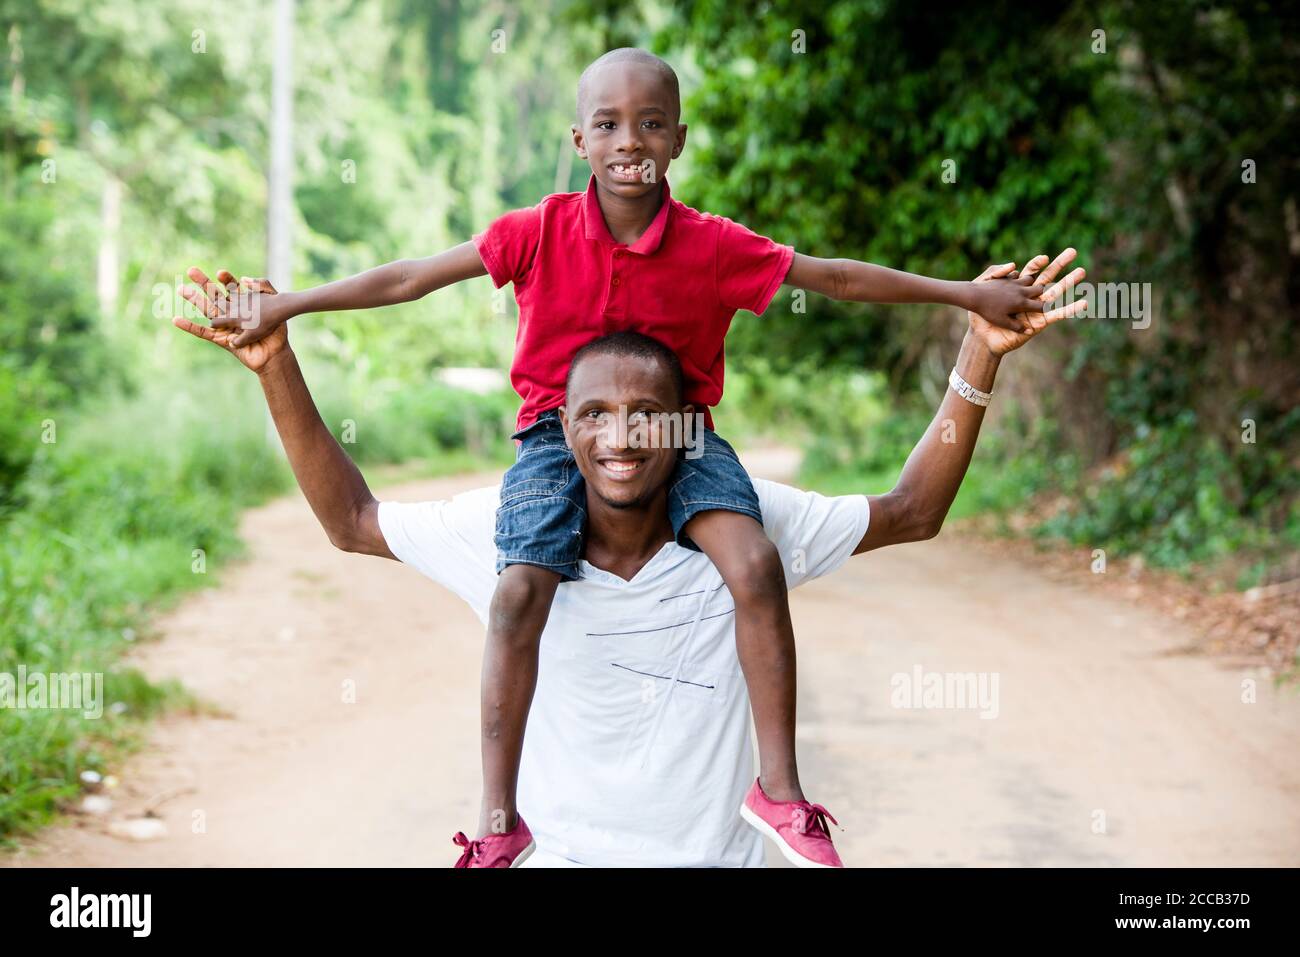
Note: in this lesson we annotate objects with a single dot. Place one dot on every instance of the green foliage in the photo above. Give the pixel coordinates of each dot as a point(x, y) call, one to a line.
point(412, 131)
point(392, 421)
point(1177, 497)
point(49, 343)
point(840, 149)
point(112, 513)
point(134, 145)
point(1162, 154)
point(116, 512)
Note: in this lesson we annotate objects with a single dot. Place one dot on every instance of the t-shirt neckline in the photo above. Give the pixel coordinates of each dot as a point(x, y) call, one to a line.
point(591, 571)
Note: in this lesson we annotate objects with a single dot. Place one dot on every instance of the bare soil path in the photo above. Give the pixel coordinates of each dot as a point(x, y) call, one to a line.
point(1108, 746)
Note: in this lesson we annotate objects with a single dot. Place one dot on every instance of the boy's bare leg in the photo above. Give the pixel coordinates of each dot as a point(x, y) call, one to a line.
point(520, 606)
point(751, 566)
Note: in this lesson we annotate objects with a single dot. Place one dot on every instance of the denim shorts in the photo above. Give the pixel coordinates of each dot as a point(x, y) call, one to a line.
point(543, 510)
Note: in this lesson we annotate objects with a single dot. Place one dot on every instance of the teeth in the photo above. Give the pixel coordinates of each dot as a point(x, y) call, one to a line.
point(621, 466)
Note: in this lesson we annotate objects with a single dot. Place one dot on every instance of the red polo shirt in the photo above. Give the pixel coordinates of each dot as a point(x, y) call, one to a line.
point(681, 283)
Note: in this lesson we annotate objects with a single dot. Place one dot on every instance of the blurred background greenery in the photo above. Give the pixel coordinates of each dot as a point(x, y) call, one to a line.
point(135, 144)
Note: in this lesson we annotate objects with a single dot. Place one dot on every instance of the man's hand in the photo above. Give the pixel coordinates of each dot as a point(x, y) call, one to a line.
point(250, 313)
point(1000, 340)
point(1005, 300)
point(217, 304)
point(917, 505)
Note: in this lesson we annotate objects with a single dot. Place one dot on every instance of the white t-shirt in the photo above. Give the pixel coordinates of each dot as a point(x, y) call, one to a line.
point(637, 750)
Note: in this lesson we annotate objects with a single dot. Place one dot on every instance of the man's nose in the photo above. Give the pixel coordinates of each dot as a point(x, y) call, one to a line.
point(614, 434)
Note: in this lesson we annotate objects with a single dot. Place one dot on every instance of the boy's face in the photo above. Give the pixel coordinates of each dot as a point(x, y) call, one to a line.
point(629, 131)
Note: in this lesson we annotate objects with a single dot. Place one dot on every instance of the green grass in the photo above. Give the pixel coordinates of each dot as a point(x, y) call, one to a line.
point(135, 504)
point(1175, 497)
point(981, 485)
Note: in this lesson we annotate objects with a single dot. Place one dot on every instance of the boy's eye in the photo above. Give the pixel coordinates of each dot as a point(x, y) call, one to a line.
point(605, 124)
point(651, 124)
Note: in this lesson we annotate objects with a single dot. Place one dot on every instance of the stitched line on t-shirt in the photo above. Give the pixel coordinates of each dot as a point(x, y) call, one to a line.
point(664, 677)
point(690, 593)
point(646, 631)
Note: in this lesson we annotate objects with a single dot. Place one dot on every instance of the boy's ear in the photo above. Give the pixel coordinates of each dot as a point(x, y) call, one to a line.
point(679, 143)
point(579, 142)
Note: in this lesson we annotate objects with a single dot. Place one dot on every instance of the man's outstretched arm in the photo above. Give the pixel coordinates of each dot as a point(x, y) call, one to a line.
point(330, 480)
point(916, 507)
point(333, 485)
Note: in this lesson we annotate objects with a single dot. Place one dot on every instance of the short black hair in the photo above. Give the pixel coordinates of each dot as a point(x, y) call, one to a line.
point(629, 55)
point(634, 345)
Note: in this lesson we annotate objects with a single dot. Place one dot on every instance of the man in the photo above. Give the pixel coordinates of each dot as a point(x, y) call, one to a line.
point(638, 750)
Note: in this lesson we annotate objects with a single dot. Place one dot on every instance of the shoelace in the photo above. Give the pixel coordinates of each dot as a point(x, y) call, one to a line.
point(472, 849)
point(815, 816)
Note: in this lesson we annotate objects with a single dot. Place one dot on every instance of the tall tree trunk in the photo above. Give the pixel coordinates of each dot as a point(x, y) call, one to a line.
point(107, 270)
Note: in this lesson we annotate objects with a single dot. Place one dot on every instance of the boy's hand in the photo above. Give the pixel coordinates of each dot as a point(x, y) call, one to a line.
point(246, 314)
point(1000, 341)
point(1006, 300)
point(254, 355)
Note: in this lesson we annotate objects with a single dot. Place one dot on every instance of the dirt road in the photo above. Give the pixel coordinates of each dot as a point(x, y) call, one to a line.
point(1108, 746)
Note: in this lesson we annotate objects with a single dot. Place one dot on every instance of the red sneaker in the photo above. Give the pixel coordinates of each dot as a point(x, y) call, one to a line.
point(496, 850)
point(799, 828)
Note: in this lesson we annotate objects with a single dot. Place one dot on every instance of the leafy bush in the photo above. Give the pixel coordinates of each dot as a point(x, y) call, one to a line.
point(103, 526)
point(1178, 496)
point(111, 514)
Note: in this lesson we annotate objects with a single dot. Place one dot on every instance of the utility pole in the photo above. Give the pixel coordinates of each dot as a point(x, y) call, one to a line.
point(279, 206)
point(279, 186)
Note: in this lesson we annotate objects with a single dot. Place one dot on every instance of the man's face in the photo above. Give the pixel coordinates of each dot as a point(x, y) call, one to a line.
point(629, 131)
point(618, 417)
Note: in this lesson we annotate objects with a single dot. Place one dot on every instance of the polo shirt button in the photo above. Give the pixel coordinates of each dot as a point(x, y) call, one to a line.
point(615, 280)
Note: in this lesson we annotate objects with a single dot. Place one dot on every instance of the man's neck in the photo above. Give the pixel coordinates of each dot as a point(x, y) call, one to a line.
point(628, 218)
point(621, 540)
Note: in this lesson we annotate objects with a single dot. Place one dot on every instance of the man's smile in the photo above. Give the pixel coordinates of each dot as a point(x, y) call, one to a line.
point(621, 468)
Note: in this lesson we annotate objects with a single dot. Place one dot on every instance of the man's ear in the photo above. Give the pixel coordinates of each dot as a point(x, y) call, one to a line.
point(579, 141)
point(564, 422)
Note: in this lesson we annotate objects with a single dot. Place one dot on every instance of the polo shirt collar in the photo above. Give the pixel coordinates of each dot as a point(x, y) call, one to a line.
point(595, 228)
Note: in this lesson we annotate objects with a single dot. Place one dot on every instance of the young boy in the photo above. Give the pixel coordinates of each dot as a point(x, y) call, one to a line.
point(626, 255)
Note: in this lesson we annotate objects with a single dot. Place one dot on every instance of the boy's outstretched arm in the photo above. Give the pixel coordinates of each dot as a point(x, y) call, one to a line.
point(404, 280)
point(1002, 301)
point(330, 481)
